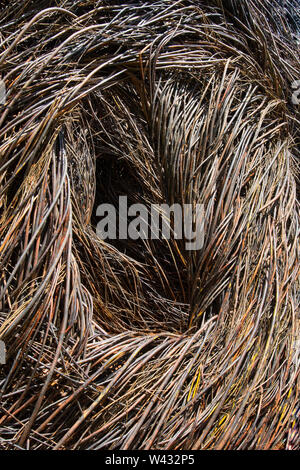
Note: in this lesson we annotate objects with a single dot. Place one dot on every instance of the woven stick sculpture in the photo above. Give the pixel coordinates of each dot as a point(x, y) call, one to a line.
point(143, 344)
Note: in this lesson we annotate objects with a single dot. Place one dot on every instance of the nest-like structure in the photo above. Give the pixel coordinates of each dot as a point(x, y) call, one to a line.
point(142, 344)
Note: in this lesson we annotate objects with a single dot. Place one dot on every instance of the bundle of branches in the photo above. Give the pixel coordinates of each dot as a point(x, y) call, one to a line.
point(143, 344)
